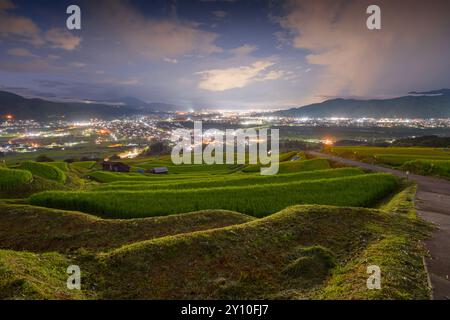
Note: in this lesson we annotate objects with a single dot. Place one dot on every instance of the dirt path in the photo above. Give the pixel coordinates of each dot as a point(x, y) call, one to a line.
point(433, 204)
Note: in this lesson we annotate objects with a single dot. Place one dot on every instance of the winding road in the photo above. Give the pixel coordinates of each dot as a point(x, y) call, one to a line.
point(433, 204)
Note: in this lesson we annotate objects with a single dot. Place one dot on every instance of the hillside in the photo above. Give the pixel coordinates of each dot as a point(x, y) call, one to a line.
point(174, 231)
point(433, 104)
point(40, 109)
point(21, 228)
point(317, 252)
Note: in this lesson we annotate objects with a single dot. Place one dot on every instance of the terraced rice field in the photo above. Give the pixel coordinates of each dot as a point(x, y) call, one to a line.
point(209, 232)
point(11, 179)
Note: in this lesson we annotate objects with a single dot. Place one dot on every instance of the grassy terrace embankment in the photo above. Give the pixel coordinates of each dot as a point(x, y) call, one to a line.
point(294, 166)
point(233, 180)
point(16, 183)
point(63, 166)
point(11, 179)
point(260, 200)
point(109, 177)
point(26, 275)
point(202, 171)
point(312, 251)
point(44, 170)
point(24, 227)
point(266, 259)
point(317, 252)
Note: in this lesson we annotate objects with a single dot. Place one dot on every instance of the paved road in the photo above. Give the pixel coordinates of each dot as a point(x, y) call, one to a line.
point(433, 204)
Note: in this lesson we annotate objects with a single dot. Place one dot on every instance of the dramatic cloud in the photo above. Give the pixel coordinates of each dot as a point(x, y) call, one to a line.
point(152, 38)
point(406, 53)
point(21, 28)
point(225, 79)
point(155, 50)
point(16, 26)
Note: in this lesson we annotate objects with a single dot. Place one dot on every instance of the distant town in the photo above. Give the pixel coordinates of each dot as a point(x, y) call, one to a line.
point(129, 135)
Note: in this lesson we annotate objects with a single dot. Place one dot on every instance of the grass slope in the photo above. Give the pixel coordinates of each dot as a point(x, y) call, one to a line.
point(259, 200)
point(25, 275)
point(36, 229)
point(300, 252)
point(317, 252)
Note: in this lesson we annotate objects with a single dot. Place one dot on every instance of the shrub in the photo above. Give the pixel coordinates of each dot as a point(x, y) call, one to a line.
point(44, 158)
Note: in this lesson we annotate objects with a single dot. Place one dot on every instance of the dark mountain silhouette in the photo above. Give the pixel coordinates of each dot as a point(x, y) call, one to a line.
point(40, 109)
point(431, 104)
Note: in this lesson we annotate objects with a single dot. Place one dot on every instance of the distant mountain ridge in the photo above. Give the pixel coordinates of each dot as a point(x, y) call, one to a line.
point(146, 106)
point(425, 105)
point(40, 109)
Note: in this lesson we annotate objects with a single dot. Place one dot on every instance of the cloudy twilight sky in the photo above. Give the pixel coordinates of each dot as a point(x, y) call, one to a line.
point(224, 53)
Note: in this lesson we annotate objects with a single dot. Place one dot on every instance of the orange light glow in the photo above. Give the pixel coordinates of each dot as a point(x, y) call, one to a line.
point(9, 117)
point(328, 141)
point(118, 145)
point(103, 131)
